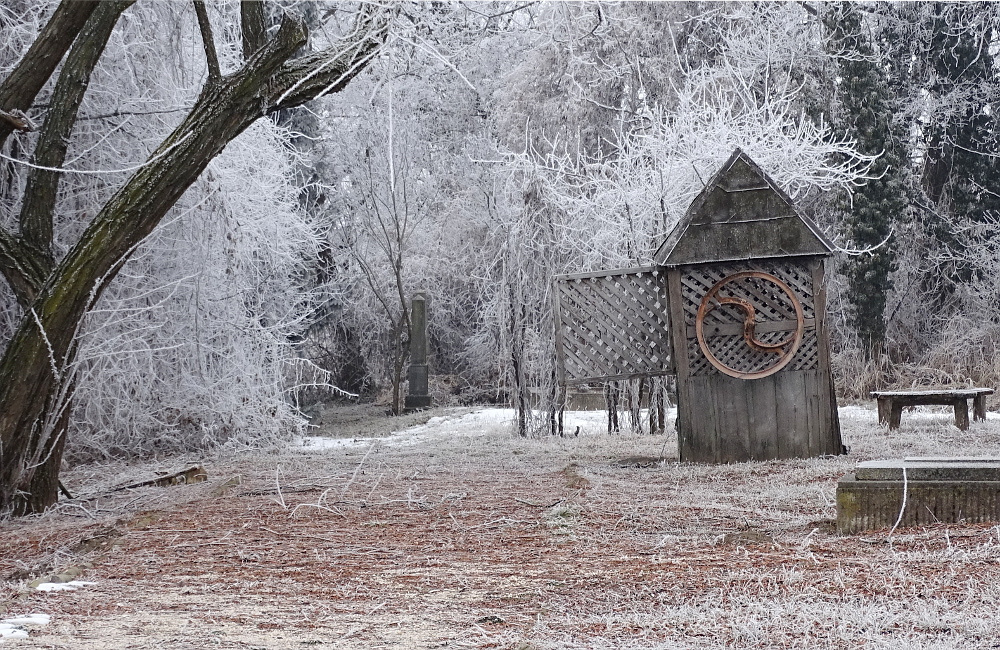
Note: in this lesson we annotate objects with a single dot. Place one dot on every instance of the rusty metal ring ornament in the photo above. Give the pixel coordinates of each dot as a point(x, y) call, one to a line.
point(786, 348)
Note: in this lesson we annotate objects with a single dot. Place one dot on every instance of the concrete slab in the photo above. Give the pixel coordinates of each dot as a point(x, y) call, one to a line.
point(937, 490)
point(869, 505)
point(930, 469)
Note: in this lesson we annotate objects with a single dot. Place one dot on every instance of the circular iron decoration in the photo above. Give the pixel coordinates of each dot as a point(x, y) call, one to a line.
point(749, 325)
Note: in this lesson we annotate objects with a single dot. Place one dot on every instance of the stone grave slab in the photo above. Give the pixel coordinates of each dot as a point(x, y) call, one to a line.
point(938, 490)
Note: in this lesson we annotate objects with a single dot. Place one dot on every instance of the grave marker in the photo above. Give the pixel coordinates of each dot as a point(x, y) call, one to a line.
point(937, 490)
point(417, 396)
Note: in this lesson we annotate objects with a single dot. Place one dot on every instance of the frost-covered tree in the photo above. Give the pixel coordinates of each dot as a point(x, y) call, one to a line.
point(940, 59)
point(56, 289)
point(406, 206)
point(961, 173)
point(568, 209)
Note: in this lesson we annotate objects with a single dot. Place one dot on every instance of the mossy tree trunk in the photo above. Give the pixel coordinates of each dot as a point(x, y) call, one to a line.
point(35, 370)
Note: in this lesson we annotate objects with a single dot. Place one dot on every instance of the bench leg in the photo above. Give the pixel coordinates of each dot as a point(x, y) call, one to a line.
point(979, 407)
point(884, 406)
point(895, 415)
point(962, 414)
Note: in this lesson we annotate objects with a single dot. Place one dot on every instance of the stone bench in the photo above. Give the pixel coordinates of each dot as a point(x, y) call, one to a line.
point(891, 403)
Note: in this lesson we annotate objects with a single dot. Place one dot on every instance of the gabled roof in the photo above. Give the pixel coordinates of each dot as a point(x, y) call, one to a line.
point(741, 214)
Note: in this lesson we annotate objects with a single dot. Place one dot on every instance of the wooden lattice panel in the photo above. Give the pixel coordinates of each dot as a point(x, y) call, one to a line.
point(807, 357)
point(775, 316)
point(612, 325)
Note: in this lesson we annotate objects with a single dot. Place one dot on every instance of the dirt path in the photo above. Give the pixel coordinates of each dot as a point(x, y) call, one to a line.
point(455, 534)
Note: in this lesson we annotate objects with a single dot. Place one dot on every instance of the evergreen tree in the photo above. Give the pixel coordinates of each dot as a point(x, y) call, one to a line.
point(864, 112)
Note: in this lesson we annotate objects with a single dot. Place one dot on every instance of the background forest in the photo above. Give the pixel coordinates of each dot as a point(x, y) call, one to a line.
point(487, 147)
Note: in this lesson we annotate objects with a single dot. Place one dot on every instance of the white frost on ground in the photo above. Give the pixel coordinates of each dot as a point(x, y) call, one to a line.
point(27, 619)
point(479, 422)
point(858, 413)
point(322, 442)
point(8, 631)
point(72, 585)
point(464, 424)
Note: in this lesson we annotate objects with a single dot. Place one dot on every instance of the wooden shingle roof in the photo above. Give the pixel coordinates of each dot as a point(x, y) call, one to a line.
point(740, 215)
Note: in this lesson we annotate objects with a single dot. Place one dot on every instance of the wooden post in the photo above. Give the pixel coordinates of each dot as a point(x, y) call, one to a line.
point(884, 407)
point(895, 414)
point(417, 396)
point(962, 413)
point(979, 407)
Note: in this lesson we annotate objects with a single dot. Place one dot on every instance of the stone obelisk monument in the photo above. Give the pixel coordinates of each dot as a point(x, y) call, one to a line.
point(416, 395)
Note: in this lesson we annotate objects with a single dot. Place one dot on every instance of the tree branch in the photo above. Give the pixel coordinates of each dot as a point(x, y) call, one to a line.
point(220, 114)
point(254, 27)
point(21, 87)
point(42, 185)
point(17, 93)
point(17, 120)
point(328, 71)
point(214, 71)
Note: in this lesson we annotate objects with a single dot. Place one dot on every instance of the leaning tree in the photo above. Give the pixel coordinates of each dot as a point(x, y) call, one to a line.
point(36, 382)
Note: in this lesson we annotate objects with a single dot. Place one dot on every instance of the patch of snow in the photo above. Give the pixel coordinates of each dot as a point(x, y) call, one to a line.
point(494, 421)
point(858, 413)
point(8, 631)
point(13, 627)
point(321, 442)
point(72, 585)
point(923, 413)
point(27, 619)
point(480, 422)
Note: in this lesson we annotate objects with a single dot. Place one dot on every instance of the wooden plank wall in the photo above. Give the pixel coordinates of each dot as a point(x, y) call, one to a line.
point(729, 420)
point(722, 419)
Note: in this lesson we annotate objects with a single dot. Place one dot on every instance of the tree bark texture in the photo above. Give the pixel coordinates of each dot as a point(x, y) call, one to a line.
point(253, 26)
point(35, 370)
point(42, 185)
point(34, 249)
point(26, 267)
point(18, 91)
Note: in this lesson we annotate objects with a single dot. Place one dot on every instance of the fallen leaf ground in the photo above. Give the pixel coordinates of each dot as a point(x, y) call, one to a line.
point(482, 540)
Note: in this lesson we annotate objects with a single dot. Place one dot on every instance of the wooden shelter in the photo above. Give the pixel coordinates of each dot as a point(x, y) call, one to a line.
point(735, 306)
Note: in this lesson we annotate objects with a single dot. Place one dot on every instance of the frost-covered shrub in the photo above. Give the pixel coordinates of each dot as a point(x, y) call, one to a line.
point(191, 345)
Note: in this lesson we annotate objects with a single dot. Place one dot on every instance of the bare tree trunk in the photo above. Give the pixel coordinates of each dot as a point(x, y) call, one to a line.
point(518, 327)
point(20, 88)
point(612, 400)
point(657, 405)
point(522, 395)
point(34, 248)
point(634, 388)
point(43, 490)
point(400, 353)
point(402, 329)
point(557, 403)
